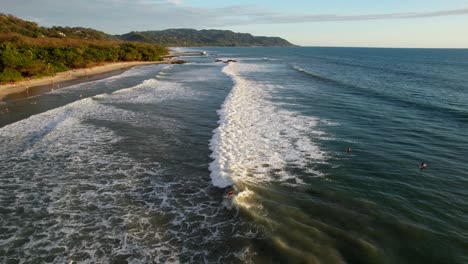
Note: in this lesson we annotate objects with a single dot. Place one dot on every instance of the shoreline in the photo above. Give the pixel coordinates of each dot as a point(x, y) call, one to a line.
point(32, 87)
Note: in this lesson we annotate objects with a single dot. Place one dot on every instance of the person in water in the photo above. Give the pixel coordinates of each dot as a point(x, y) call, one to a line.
point(349, 150)
point(422, 166)
point(229, 194)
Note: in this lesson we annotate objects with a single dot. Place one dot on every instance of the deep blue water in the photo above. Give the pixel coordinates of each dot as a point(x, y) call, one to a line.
point(133, 168)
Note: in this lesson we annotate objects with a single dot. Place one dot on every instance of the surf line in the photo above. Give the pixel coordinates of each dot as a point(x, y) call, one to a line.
point(219, 176)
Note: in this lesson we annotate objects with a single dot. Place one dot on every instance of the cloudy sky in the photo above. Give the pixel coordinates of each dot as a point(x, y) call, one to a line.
point(378, 23)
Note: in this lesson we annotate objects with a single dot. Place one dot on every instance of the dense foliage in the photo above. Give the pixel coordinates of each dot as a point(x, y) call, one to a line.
point(192, 37)
point(19, 59)
point(26, 51)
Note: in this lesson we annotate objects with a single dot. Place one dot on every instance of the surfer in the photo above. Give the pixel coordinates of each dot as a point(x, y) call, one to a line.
point(349, 150)
point(228, 199)
point(229, 194)
point(422, 166)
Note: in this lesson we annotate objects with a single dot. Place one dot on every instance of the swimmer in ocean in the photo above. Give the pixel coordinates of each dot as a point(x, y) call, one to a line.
point(422, 166)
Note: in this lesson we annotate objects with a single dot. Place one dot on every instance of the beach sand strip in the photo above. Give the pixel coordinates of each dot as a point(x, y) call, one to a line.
point(7, 91)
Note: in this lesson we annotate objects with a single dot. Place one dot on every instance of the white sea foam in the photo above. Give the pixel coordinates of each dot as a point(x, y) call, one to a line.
point(257, 140)
point(74, 193)
point(54, 159)
point(132, 72)
point(329, 122)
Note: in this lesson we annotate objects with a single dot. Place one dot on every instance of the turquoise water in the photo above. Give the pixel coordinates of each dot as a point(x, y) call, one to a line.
point(133, 168)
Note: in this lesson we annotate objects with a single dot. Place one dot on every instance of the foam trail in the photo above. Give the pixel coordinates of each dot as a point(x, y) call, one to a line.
point(315, 75)
point(257, 140)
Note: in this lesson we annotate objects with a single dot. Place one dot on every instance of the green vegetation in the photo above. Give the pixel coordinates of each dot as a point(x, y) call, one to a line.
point(20, 59)
point(192, 37)
point(27, 50)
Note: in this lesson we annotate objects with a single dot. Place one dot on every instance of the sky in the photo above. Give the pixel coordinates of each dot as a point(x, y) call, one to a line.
point(357, 23)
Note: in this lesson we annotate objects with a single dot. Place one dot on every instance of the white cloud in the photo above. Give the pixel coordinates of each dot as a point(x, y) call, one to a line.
point(175, 2)
point(121, 16)
point(281, 18)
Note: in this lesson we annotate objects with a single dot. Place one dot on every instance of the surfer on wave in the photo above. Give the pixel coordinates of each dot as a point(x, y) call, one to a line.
point(228, 198)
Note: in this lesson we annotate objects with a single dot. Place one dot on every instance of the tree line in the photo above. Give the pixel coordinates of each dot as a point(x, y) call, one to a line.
point(22, 57)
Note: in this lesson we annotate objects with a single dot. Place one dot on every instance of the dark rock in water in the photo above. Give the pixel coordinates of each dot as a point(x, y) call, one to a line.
point(178, 62)
point(228, 61)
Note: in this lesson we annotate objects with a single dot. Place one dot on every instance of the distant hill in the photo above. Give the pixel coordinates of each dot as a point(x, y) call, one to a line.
point(192, 37)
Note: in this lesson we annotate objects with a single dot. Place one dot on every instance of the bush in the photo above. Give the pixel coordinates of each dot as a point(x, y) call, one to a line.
point(8, 75)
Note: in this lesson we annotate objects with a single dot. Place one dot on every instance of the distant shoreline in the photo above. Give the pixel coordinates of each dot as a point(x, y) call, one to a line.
point(22, 88)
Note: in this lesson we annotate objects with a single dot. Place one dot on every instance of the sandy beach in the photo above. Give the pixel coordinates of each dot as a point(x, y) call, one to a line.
point(22, 86)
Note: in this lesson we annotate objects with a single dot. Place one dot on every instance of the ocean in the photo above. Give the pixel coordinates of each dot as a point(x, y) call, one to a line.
point(135, 168)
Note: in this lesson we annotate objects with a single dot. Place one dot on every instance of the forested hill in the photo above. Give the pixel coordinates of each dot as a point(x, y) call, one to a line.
point(28, 50)
point(212, 37)
point(12, 25)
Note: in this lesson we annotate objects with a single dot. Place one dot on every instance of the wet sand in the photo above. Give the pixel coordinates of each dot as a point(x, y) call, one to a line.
point(38, 86)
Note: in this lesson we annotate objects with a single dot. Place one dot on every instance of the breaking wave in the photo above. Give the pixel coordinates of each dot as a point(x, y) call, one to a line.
point(257, 140)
